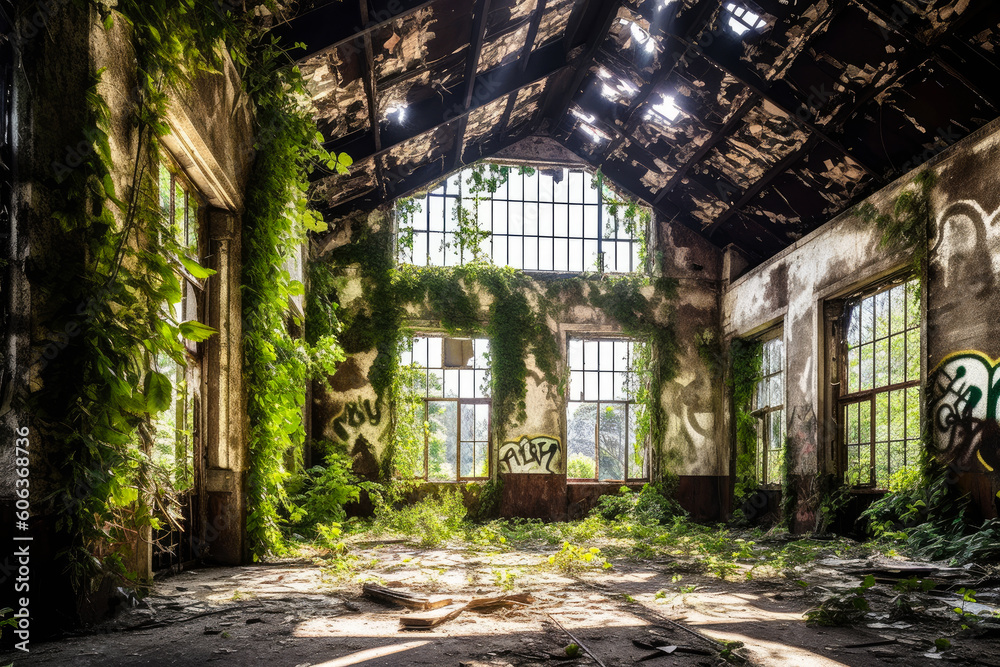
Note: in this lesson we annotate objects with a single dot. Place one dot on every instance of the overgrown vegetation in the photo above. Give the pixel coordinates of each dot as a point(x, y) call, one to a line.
point(276, 365)
point(516, 324)
point(745, 358)
point(116, 274)
point(907, 225)
point(926, 516)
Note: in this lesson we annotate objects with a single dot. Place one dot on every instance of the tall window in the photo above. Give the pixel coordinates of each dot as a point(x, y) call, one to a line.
point(769, 409)
point(176, 428)
point(552, 220)
point(602, 418)
point(453, 376)
point(880, 384)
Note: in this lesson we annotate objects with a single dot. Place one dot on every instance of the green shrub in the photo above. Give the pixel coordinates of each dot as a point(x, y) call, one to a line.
point(433, 519)
point(581, 466)
point(318, 495)
point(655, 503)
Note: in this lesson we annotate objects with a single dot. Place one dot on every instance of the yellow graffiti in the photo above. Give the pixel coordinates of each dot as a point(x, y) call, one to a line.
point(985, 464)
point(966, 353)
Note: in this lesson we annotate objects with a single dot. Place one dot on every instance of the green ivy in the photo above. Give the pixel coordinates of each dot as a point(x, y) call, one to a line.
point(746, 358)
point(276, 366)
point(908, 224)
point(108, 276)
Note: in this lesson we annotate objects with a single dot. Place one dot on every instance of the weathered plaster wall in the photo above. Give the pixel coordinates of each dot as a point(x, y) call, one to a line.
point(961, 311)
point(55, 66)
point(344, 408)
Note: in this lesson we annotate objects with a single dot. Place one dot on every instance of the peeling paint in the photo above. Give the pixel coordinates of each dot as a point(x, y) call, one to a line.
point(554, 21)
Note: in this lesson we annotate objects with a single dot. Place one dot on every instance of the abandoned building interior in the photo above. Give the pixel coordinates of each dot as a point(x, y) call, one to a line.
point(499, 332)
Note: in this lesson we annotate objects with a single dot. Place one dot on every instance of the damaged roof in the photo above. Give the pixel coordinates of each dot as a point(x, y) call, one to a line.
point(751, 122)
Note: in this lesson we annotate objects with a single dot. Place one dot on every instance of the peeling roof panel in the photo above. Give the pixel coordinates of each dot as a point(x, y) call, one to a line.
point(484, 122)
point(419, 151)
point(554, 21)
point(630, 39)
point(337, 189)
point(338, 93)
point(765, 137)
point(420, 39)
point(502, 49)
point(506, 13)
point(419, 86)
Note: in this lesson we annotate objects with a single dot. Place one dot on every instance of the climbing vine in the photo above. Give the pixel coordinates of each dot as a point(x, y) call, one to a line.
point(276, 365)
point(110, 287)
point(746, 358)
point(907, 226)
point(625, 213)
point(651, 321)
point(109, 276)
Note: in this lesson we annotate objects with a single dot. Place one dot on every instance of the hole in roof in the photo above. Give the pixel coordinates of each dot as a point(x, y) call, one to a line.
point(615, 88)
point(595, 135)
point(585, 117)
point(664, 112)
point(642, 38)
point(743, 20)
point(399, 112)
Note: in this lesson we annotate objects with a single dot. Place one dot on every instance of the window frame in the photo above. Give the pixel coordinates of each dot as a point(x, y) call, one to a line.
point(764, 415)
point(460, 401)
point(628, 405)
point(845, 398)
point(590, 208)
point(187, 407)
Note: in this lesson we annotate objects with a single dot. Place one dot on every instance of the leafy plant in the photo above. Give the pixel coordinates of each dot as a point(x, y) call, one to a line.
point(907, 225)
point(839, 609)
point(746, 358)
point(572, 559)
point(317, 496)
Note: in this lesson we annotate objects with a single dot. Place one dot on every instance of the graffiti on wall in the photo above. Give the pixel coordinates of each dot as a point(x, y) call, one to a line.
point(355, 415)
point(532, 454)
point(964, 401)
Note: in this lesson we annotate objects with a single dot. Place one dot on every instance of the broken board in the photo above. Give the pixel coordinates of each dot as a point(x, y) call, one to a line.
point(433, 618)
point(405, 598)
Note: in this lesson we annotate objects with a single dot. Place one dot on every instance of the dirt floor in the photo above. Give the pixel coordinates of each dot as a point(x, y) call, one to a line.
point(303, 614)
point(298, 613)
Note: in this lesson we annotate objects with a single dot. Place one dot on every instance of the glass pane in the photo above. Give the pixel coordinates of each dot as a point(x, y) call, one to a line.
point(897, 415)
point(482, 430)
point(913, 413)
point(606, 390)
point(442, 439)
point(637, 450)
point(853, 327)
point(851, 424)
point(853, 370)
point(581, 430)
point(881, 417)
point(897, 359)
point(882, 362)
point(468, 459)
point(435, 382)
point(867, 315)
point(881, 314)
point(897, 308)
point(913, 354)
point(451, 383)
point(866, 366)
point(468, 422)
point(611, 442)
